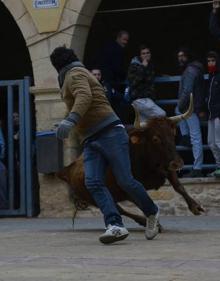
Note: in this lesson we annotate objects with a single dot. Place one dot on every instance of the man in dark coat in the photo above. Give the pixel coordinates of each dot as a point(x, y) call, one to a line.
point(141, 75)
point(112, 62)
point(214, 20)
point(98, 75)
point(214, 109)
point(192, 81)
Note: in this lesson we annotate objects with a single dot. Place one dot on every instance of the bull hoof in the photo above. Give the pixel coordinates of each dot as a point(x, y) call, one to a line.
point(196, 209)
point(73, 224)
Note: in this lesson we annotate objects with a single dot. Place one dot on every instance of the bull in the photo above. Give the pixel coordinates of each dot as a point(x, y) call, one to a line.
point(153, 160)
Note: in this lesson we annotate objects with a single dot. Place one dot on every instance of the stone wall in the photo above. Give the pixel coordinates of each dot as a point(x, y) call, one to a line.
point(55, 202)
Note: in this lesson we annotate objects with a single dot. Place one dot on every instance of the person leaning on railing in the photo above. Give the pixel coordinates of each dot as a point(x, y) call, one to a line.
point(141, 77)
point(192, 81)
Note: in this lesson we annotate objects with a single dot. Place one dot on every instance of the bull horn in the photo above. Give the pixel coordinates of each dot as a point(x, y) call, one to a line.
point(137, 121)
point(186, 115)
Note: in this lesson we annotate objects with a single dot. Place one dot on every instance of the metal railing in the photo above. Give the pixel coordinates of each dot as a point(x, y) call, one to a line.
point(18, 90)
point(163, 102)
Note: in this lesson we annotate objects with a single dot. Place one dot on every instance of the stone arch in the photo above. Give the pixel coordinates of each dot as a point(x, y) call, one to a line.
point(86, 15)
point(14, 37)
point(73, 30)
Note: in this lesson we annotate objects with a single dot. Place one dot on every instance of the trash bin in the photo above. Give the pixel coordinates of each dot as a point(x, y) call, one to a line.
point(49, 152)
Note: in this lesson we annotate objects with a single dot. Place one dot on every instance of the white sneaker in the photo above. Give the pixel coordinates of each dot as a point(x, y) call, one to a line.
point(113, 234)
point(152, 226)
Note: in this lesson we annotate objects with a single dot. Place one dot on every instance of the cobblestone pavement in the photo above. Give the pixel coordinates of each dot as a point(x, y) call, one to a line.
point(49, 250)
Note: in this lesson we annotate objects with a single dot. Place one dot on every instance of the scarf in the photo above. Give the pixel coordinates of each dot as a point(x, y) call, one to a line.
point(212, 69)
point(63, 71)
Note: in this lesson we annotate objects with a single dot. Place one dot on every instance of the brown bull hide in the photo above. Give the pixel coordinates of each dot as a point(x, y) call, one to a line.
point(74, 176)
point(153, 159)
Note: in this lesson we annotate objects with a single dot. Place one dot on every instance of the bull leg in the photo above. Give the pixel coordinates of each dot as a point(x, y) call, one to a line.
point(73, 201)
point(137, 218)
point(193, 206)
point(74, 216)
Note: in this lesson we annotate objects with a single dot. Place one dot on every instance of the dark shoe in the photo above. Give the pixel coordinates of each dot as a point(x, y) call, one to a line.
point(214, 174)
point(185, 141)
point(194, 174)
point(217, 173)
point(211, 175)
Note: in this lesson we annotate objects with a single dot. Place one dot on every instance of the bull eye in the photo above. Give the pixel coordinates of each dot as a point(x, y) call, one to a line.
point(156, 140)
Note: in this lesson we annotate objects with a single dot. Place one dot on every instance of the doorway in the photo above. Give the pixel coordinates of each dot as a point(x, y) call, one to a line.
point(15, 65)
point(164, 30)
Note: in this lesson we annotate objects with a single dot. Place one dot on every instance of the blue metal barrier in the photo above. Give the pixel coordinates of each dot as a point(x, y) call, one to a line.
point(48, 143)
point(19, 186)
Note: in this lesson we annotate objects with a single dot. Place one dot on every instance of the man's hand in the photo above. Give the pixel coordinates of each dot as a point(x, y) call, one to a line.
point(202, 116)
point(216, 6)
point(145, 62)
point(65, 127)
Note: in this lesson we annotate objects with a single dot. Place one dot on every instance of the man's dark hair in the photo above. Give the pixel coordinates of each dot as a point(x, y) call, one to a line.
point(122, 32)
point(143, 47)
point(62, 56)
point(186, 51)
point(95, 67)
point(212, 54)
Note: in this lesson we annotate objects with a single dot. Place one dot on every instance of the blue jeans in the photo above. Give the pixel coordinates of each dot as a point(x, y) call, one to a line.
point(214, 139)
point(191, 127)
point(111, 148)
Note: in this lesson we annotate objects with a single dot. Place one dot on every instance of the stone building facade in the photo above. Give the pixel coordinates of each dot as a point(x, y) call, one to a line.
point(73, 27)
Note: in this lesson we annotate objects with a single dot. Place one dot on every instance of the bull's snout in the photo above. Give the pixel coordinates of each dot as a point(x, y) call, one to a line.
point(176, 164)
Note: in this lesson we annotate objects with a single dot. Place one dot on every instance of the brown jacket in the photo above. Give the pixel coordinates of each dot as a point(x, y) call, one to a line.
point(85, 97)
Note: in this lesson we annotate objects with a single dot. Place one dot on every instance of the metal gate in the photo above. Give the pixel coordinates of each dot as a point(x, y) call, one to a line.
point(19, 187)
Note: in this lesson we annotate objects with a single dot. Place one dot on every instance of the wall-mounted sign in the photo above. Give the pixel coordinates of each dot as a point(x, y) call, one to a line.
point(45, 4)
point(46, 14)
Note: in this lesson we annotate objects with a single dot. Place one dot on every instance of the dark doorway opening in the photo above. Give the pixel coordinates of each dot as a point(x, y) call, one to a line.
point(164, 30)
point(14, 55)
point(15, 65)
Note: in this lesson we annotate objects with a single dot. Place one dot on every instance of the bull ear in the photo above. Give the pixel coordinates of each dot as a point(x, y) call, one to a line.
point(156, 140)
point(136, 137)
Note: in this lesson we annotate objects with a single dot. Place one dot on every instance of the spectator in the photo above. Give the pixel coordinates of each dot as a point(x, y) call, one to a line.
point(214, 109)
point(214, 20)
point(141, 75)
point(16, 137)
point(105, 144)
point(112, 62)
point(3, 174)
point(192, 81)
point(2, 144)
point(16, 140)
point(98, 75)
